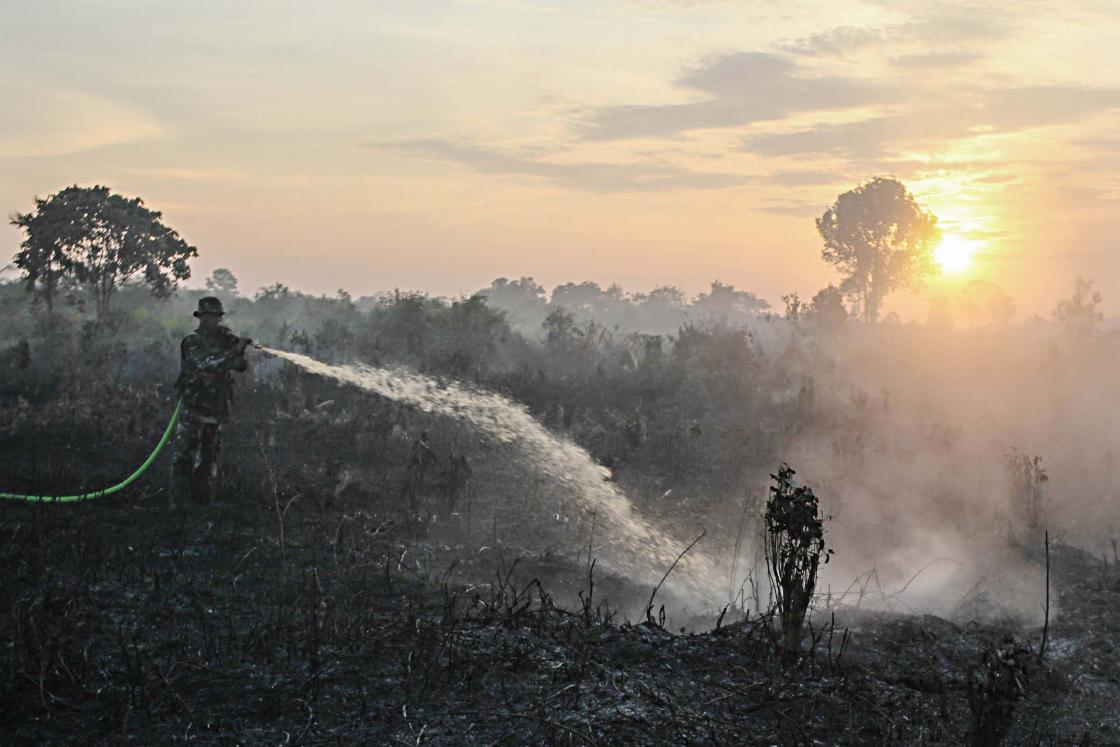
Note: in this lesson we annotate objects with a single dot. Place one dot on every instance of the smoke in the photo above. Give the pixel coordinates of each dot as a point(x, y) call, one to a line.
point(905, 439)
point(908, 448)
point(636, 548)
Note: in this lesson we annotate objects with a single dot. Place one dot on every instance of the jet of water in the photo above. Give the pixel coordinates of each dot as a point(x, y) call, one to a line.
point(636, 548)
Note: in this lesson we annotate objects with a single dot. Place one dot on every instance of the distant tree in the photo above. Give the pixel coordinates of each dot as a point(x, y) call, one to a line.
point(664, 296)
point(524, 301)
point(881, 239)
point(222, 282)
point(566, 334)
point(826, 309)
point(984, 304)
point(102, 241)
point(589, 299)
point(1080, 313)
point(795, 307)
point(661, 310)
point(274, 292)
point(723, 301)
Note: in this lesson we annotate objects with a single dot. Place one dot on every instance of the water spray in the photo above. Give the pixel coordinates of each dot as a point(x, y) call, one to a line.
point(638, 548)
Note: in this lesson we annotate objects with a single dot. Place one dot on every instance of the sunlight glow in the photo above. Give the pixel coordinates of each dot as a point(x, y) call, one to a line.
point(954, 253)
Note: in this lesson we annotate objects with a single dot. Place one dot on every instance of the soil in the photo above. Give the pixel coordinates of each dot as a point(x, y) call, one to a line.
point(333, 622)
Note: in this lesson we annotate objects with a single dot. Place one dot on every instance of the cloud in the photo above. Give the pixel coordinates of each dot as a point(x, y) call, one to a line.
point(588, 177)
point(986, 112)
point(743, 87)
point(942, 28)
point(838, 41)
point(191, 175)
point(1035, 106)
point(39, 121)
point(936, 59)
point(865, 139)
point(803, 177)
point(795, 210)
point(679, 4)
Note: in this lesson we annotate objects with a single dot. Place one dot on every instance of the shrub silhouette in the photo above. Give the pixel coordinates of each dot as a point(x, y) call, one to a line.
point(794, 548)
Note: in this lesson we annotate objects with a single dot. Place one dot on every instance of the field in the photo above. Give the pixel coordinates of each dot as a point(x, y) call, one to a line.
point(338, 590)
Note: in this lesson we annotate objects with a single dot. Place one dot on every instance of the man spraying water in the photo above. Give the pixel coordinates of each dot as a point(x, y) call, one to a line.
point(209, 356)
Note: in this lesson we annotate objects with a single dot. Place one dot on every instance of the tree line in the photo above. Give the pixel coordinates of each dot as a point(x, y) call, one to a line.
point(82, 244)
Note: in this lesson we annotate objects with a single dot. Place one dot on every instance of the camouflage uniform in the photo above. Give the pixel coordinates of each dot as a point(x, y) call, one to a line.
point(206, 388)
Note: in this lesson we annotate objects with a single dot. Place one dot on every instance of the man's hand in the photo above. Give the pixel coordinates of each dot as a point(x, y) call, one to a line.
point(242, 343)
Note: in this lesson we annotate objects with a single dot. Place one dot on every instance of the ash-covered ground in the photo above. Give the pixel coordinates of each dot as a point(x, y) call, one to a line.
point(349, 585)
point(126, 623)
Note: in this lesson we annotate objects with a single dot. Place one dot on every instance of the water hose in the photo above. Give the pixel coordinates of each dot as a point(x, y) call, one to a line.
point(107, 491)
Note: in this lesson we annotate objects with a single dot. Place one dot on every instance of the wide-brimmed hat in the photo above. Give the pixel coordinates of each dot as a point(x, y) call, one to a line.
point(209, 305)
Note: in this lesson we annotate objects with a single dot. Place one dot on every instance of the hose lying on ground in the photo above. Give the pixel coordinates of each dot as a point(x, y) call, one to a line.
point(107, 491)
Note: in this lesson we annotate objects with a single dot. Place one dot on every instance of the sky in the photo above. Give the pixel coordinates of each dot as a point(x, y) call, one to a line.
point(437, 145)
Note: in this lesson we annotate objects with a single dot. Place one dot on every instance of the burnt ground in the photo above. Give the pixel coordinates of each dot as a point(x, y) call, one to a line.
point(229, 623)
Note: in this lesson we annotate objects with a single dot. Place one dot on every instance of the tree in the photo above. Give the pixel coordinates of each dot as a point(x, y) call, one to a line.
point(102, 241)
point(881, 239)
point(589, 300)
point(826, 310)
point(985, 304)
point(724, 302)
point(523, 300)
point(44, 263)
point(661, 311)
point(222, 281)
point(1080, 313)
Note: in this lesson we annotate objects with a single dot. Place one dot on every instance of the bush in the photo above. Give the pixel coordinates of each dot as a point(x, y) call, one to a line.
point(794, 547)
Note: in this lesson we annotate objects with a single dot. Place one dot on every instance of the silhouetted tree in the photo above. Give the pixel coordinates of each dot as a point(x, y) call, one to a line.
point(880, 238)
point(795, 307)
point(1080, 313)
point(523, 301)
point(589, 300)
point(100, 240)
point(826, 309)
point(724, 302)
point(44, 263)
point(661, 310)
point(223, 282)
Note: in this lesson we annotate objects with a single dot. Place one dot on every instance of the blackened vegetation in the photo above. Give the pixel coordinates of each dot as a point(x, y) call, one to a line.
point(336, 620)
point(794, 548)
point(370, 575)
point(995, 687)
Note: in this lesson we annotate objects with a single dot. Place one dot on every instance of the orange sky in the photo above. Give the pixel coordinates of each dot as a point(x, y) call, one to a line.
point(438, 145)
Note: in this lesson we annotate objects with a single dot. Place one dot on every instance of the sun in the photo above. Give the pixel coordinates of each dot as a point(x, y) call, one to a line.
point(954, 253)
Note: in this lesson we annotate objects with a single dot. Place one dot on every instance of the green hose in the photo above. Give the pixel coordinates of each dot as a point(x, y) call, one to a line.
point(107, 491)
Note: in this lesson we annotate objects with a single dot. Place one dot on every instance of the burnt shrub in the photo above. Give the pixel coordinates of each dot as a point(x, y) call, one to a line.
point(794, 549)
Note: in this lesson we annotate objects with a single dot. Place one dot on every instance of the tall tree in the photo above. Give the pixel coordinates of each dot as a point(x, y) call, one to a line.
point(881, 239)
point(102, 241)
point(44, 262)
